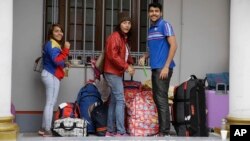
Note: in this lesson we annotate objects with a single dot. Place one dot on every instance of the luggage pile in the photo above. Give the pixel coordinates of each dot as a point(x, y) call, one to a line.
point(88, 115)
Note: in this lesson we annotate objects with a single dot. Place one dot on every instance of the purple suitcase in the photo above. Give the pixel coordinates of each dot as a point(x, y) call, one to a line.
point(217, 106)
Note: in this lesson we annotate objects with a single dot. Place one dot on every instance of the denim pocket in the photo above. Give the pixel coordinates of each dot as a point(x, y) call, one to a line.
point(44, 73)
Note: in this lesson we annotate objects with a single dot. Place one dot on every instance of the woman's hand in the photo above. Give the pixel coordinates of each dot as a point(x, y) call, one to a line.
point(67, 45)
point(131, 70)
point(68, 64)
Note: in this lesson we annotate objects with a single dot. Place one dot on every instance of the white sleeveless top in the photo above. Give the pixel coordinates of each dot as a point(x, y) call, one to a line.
point(126, 55)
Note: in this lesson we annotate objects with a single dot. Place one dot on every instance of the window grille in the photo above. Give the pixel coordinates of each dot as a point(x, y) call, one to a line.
point(87, 23)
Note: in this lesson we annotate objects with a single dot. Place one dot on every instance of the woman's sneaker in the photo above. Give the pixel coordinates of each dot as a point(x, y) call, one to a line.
point(162, 135)
point(41, 131)
point(47, 134)
point(109, 134)
point(122, 135)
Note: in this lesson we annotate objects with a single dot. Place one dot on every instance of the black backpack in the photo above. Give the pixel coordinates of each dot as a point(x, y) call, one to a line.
point(99, 117)
point(189, 108)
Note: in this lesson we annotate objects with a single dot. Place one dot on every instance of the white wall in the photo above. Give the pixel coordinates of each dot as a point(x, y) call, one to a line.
point(27, 41)
point(205, 37)
point(172, 12)
point(201, 27)
point(202, 32)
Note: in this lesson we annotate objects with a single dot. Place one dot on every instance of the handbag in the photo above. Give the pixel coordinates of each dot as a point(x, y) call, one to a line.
point(100, 62)
point(70, 127)
point(38, 65)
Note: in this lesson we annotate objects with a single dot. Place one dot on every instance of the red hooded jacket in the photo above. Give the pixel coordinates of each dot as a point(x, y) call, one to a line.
point(115, 52)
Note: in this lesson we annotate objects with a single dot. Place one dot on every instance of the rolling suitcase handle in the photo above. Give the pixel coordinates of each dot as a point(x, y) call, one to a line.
point(86, 64)
point(131, 83)
point(224, 91)
point(131, 79)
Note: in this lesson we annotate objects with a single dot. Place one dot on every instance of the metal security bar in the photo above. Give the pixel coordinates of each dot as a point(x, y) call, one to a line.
point(80, 24)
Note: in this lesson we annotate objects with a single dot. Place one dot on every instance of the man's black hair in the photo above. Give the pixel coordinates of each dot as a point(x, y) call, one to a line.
point(155, 5)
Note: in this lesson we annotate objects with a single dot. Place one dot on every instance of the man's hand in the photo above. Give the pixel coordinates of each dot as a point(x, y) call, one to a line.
point(164, 73)
point(142, 61)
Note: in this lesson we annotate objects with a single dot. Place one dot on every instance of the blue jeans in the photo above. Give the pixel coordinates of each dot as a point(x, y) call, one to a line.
point(52, 85)
point(116, 105)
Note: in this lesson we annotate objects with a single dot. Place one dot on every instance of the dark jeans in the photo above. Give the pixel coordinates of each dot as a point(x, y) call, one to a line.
point(160, 94)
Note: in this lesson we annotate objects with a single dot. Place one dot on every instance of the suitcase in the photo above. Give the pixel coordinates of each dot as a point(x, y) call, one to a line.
point(189, 108)
point(142, 116)
point(131, 88)
point(217, 106)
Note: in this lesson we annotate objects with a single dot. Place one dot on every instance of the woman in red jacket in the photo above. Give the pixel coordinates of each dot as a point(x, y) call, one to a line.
point(117, 61)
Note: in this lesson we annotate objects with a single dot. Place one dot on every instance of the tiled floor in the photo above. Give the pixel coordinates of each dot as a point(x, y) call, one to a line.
point(35, 137)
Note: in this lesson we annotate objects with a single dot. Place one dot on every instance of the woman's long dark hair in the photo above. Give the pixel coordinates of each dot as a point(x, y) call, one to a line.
point(50, 33)
point(129, 34)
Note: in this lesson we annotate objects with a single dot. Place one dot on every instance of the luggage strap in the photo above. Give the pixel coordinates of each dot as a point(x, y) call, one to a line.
point(185, 100)
point(182, 100)
point(187, 123)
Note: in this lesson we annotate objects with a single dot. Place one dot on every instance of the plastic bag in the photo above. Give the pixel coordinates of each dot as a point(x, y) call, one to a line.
point(103, 88)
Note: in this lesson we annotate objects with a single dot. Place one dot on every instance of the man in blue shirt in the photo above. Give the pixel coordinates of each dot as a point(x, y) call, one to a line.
point(161, 50)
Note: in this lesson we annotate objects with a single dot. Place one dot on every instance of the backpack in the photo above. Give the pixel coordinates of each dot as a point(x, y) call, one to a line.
point(66, 110)
point(87, 97)
point(189, 108)
point(99, 117)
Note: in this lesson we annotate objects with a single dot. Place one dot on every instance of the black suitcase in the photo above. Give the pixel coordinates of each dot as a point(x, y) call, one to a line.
point(189, 108)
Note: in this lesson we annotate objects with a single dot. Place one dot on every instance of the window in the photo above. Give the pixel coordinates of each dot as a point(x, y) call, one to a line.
point(87, 23)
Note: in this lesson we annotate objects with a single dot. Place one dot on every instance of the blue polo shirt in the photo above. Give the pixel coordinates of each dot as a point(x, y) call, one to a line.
point(158, 45)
